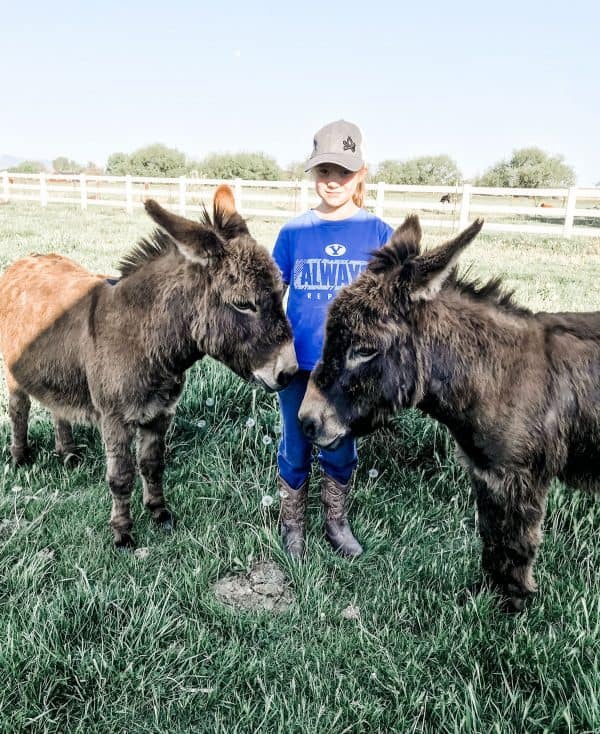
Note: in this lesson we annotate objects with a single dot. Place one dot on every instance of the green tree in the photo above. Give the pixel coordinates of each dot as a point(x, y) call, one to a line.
point(150, 160)
point(253, 166)
point(118, 164)
point(157, 160)
point(66, 165)
point(28, 167)
point(529, 168)
point(295, 171)
point(427, 169)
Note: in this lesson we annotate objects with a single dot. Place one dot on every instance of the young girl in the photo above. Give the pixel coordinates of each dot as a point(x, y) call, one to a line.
point(319, 252)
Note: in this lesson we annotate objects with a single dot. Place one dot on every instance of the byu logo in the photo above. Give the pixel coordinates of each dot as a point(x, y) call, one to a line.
point(335, 250)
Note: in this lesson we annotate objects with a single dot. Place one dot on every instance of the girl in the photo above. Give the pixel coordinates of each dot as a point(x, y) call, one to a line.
point(319, 252)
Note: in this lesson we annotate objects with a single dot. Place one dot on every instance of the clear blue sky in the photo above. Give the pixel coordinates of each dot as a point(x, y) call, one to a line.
point(474, 80)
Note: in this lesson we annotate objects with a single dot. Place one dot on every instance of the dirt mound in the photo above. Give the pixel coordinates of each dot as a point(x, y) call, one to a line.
point(264, 587)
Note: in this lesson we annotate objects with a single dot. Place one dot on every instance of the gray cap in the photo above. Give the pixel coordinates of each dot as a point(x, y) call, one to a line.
point(338, 142)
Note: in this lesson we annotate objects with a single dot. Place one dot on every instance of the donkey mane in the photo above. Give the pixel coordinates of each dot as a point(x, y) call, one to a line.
point(158, 244)
point(492, 292)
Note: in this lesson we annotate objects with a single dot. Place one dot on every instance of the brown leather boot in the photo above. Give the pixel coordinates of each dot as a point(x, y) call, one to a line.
point(337, 529)
point(292, 515)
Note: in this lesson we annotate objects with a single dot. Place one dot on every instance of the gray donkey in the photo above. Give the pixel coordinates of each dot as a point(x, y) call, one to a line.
point(115, 354)
point(519, 391)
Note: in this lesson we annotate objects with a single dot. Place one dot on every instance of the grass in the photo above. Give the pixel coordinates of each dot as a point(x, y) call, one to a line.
point(94, 641)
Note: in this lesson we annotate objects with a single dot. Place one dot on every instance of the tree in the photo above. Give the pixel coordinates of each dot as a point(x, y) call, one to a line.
point(157, 160)
point(118, 164)
point(28, 167)
point(427, 169)
point(65, 165)
point(257, 166)
point(295, 171)
point(151, 160)
point(92, 169)
point(530, 168)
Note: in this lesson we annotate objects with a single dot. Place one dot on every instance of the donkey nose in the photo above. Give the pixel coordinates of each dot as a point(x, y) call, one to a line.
point(309, 427)
point(285, 377)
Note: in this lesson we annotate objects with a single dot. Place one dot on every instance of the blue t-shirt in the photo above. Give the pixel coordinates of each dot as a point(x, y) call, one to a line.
point(317, 257)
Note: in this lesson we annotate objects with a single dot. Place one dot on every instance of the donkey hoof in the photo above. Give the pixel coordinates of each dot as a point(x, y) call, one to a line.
point(512, 604)
point(166, 520)
point(21, 456)
point(124, 543)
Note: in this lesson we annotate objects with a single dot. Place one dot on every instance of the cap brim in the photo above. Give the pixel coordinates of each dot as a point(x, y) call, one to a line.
point(340, 160)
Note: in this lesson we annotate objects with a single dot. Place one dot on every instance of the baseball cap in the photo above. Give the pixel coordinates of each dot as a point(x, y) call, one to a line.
point(338, 142)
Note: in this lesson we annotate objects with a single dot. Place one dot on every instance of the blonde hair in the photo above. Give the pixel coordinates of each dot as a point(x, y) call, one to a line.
point(361, 191)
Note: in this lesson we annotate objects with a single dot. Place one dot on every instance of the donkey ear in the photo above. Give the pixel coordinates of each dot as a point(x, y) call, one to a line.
point(225, 216)
point(403, 245)
point(432, 268)
point(408, 233)
point(195, 241)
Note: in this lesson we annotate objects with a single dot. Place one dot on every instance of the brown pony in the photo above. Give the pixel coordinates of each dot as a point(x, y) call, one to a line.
point(519, 391)
point(115, 353)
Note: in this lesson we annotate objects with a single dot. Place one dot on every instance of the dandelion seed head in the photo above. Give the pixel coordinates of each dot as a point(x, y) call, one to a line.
point(201, 423)
point(267, 440)
point(250, 423)
point(267, 500)
point(17, 488)
point(373, 473)
point(209, 402)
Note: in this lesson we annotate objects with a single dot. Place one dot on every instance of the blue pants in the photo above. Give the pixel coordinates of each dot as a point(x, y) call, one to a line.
point(295, 450)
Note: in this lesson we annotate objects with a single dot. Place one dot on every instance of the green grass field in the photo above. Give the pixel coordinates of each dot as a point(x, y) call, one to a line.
point(95, 641)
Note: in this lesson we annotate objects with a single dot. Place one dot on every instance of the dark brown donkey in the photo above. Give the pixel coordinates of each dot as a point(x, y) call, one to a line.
point(116, 354)
point(520, 391)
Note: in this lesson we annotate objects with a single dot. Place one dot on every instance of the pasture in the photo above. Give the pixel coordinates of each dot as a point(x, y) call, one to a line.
point(96, 641)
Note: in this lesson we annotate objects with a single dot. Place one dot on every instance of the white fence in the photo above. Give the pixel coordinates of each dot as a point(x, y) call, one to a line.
point(562, 212)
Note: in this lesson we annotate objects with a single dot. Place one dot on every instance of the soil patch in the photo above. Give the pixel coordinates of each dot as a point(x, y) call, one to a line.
point(264, 587)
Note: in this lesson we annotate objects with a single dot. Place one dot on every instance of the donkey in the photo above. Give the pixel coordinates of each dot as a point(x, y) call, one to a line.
point(519, 391)
point(115, 354)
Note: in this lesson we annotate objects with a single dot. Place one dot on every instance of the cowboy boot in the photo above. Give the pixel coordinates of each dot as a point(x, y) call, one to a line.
point(292, 514)
point(334, 496)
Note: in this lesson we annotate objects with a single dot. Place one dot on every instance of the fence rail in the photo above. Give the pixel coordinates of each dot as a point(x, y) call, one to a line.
point(558, 211)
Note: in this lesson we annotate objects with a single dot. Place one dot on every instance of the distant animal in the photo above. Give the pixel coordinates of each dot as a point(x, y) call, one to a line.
point(546, 206)
point(446, 199)
point(115, 355)
point(519, 391)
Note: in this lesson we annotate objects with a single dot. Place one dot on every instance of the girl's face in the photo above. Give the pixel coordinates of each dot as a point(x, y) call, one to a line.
point(335, 185)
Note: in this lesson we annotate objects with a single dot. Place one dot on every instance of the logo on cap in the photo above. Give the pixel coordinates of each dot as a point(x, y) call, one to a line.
point(349, 144)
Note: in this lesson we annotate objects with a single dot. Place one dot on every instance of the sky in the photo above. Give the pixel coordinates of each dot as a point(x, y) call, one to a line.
point(471, 80)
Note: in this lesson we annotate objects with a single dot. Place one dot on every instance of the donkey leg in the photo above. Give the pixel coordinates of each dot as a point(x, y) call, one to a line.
point(18, 411)
point(511, 512)
point(64, 444)
point(120, 475)
point(151, 462)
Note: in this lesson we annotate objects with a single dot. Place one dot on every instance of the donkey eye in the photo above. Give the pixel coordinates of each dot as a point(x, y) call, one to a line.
point(363, 353)
point(244, 307)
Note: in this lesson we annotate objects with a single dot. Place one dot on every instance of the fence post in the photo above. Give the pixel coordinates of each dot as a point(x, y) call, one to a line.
point(380, 199)
point(237, 192)
point(303, 195)
point(465, 203)
point(83, 190)
point(5, 185)
point(128, 195)
point(570, 212)
point(43, 189)
point(182, 195)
